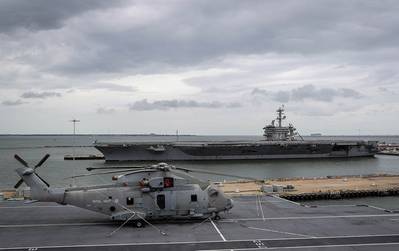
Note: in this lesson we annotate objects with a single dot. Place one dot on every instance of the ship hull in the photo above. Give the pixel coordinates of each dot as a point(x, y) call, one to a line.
point(263, 150)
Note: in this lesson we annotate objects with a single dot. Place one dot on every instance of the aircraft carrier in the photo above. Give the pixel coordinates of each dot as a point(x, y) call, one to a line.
point(255, 223)
point(280, 142)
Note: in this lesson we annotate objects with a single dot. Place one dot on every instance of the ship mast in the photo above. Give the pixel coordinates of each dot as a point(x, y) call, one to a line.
point(280, 115)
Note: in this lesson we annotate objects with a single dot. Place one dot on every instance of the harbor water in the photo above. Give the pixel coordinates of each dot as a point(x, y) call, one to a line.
point(57, 170)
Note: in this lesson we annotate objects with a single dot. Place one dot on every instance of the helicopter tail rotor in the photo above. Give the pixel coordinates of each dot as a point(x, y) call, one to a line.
point(39, 189)
point(42, 161)
point(30, 170)
point(20, 160)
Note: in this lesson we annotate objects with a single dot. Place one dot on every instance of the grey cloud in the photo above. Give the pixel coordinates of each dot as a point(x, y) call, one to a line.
point(348, 93)
point(104, 86)
point(282, 96)
point(114, 87)
point(308, 92)
point(233, 105)
point(322, 94)
point(40, 95)
point(44, 14)
point(325, 109)
point(104, 110)
point(188, 33)
point(257, 91)
point(13, 103)
point(185, 35)
point(144, 105)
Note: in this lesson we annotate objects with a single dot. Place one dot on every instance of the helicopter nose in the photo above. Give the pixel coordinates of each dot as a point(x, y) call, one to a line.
point(229, 204)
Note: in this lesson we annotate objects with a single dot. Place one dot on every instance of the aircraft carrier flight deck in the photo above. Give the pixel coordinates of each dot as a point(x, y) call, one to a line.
point(254, 223)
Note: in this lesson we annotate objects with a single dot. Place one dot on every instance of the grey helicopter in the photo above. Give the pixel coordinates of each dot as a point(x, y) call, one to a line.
point(140, 194)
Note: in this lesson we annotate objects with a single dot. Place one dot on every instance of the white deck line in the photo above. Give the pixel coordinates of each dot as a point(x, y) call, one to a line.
point(293, 202)
point(188, 242)
point(312, 217)
point(21, 207)
point(315, 246)
point(57, 224)
point(261, 208)
point(280, 232)
point(217, 229)
point(378, 208)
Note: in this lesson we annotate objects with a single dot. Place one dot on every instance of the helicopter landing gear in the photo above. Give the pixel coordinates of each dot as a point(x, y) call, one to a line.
point(216, 217)
point(139, 224)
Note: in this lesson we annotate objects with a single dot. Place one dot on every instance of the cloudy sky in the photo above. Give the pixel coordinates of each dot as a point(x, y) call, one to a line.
point(203, 67)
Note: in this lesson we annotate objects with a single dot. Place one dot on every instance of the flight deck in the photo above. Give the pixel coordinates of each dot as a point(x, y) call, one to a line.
point(255, 223)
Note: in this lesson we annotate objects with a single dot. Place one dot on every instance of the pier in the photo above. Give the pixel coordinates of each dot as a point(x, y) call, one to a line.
point(83, 157)
point(321, 188)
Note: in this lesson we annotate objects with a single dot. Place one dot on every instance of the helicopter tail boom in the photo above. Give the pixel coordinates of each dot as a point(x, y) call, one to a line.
point(40, 189)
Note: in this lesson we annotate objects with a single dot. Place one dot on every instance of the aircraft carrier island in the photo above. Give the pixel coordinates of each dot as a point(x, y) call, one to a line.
point(280, 142)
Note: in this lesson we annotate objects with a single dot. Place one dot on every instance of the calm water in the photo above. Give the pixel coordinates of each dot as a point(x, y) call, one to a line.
point(56, 169)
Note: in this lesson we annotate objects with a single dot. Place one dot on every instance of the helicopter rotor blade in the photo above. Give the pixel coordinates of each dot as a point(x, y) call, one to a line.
point(113, 167)
point(215, 173)
point(42, 161)
point(91, 174)
point(203, 184)
point(20, 160)
point(19, 183)
point(45, 182)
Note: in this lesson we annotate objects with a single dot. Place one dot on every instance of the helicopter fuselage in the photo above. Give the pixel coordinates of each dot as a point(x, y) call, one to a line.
point(145, 194)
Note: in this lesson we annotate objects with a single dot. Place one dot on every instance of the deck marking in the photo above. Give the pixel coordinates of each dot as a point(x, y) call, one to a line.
point(263, 202)
point(19, 207)
point(343, 205)
point(257, 206)
point(259, 243)
point(57, 224)
point(217, 229)
point(261, 208)
point(280, 232)
point(312, 217)
point(378, 208)
point(195, 242)
point(315, 246)
point(290, 201)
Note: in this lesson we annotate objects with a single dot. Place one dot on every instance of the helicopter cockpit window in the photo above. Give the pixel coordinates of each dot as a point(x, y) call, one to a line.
point(193, 197)
point(213, 192)
point(129, 201)
point(167, 182)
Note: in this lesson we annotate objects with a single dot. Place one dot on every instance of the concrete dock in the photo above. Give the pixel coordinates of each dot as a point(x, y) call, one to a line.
point(83, 157)
point(255, 223)
point(319, 188)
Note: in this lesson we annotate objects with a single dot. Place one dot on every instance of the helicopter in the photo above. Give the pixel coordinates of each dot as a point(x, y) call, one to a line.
point(140, 194)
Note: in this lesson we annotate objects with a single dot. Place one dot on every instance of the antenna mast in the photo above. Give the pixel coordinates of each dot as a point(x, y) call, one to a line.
point(74, 121)
point(280, 115)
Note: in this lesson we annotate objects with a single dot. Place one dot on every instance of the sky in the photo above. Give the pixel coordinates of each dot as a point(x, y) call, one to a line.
point(201, 67)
